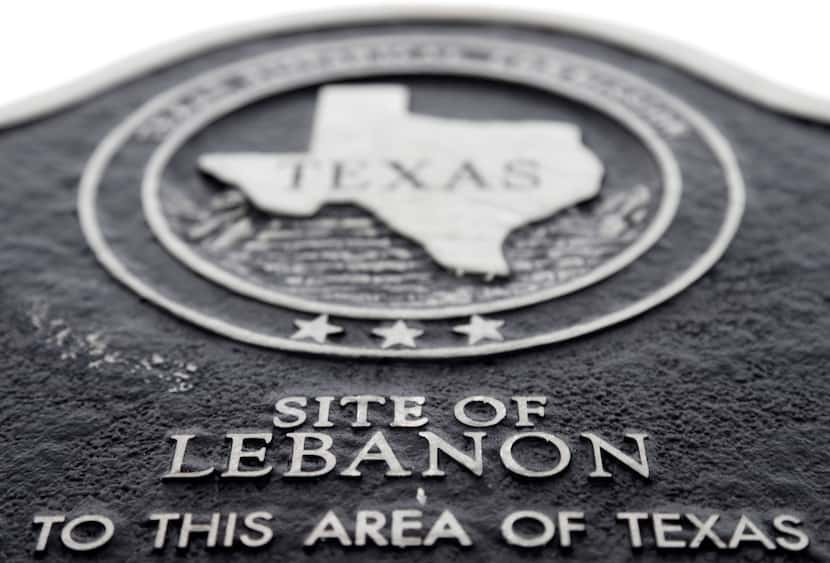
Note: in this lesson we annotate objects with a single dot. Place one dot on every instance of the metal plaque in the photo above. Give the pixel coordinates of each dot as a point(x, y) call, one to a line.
point(411, 284)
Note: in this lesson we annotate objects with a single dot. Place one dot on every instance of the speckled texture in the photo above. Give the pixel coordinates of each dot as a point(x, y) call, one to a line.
point(728, 378)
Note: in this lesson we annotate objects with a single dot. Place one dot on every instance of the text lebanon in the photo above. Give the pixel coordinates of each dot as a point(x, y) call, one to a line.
point(312, 456)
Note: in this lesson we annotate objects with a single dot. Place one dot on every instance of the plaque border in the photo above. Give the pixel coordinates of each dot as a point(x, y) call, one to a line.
point(710, 68)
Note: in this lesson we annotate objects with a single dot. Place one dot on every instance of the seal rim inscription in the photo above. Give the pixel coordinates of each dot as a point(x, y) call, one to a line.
point(732, 214)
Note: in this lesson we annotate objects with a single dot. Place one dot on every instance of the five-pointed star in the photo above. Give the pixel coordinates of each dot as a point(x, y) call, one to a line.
point(318, 329)
point(479, 329)
point(397, 334)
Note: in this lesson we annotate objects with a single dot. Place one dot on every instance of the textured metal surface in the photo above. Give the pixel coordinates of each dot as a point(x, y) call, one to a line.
point(729, 378)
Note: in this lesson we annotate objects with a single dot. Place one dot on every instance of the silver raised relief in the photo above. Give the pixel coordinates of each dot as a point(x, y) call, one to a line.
point(408, 223)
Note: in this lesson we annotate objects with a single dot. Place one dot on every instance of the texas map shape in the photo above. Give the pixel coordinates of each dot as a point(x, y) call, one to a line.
point(457, 187)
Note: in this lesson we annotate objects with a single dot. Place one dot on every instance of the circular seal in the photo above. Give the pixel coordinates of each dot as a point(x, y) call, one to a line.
point(416, 193)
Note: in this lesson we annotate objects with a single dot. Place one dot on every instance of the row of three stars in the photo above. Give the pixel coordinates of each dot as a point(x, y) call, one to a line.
point(398, 334)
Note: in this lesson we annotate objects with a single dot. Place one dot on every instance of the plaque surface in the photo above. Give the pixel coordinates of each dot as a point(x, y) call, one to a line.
point(416, 286)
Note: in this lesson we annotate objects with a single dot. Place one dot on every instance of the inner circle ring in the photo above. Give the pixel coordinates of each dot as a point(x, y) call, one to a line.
point(92, 230)
point(151, 186)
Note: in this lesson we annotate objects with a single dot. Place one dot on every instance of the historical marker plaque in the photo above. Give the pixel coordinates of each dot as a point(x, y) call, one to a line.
point(416, 286)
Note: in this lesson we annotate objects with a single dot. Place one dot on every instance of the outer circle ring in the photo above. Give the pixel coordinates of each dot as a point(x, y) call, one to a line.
point(105, 151)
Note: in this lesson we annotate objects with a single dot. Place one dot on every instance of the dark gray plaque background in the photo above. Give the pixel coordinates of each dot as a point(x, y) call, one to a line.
point(728, 378)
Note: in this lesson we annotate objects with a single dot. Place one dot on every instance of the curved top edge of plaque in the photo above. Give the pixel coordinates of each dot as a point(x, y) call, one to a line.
point(712, 69)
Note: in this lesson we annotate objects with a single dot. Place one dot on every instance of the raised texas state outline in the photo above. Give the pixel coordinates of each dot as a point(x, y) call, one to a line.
point(456, 187)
